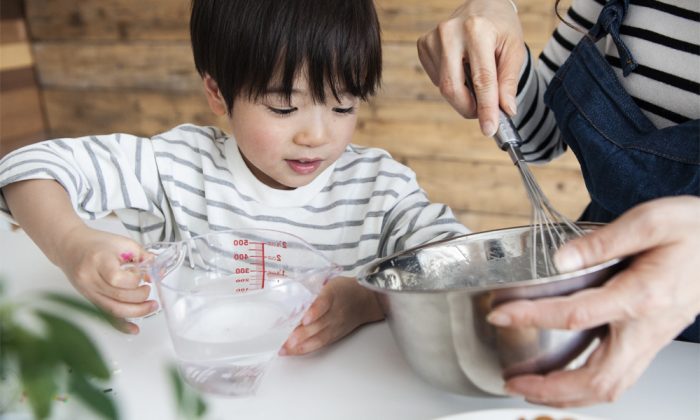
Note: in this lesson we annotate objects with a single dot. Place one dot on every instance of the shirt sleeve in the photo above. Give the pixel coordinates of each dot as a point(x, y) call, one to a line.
point(535, 122)
point(101, 174)
point(414, 221)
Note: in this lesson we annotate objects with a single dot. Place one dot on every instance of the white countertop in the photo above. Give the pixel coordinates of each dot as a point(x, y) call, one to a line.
point(361, 377)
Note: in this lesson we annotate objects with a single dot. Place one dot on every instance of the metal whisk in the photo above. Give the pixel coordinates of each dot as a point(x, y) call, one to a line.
point(549, 228)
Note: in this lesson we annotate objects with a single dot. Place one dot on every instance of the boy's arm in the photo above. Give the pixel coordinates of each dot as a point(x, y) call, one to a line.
point(90, 258)
point(100, 174)
point(47, 225)
point(414, 220)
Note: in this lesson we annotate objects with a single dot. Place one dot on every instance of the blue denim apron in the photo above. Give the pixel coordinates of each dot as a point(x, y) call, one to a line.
point(625, 160)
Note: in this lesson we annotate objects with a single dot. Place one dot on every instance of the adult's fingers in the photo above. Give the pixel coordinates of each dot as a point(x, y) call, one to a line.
point(484, 76)
point(585, 309)
point(613, 367)
point(510, 61)
point(644, 227)
point(451, 72)
point(429, 56)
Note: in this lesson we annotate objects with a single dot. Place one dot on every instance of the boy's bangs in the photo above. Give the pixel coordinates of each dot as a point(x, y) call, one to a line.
point(251, 47)
point(342, 60)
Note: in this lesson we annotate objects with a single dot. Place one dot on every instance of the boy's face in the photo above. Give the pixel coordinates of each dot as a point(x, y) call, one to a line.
point(287, 144)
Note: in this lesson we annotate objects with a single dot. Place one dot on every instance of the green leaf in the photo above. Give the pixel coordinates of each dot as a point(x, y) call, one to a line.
point(35, 353)
point(177, 384)
point(8, 346)
point(40, 389)
point(74, 347)
point(37, 370)
point(201, 407)
point(189, 402)
point(77, 304)
point(92, 397)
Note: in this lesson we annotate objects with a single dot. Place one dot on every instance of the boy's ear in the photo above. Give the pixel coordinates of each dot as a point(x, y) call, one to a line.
point(214, 97)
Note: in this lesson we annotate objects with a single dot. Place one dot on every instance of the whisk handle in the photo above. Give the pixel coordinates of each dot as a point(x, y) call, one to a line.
point(506, 135)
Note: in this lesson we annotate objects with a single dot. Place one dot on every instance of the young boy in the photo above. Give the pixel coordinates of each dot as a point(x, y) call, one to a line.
point(289, 75)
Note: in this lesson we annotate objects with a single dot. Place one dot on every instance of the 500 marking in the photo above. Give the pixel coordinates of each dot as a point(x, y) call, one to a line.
point(253, 254)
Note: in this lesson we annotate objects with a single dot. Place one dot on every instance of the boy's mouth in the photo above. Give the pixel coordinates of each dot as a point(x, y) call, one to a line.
point(304, 166)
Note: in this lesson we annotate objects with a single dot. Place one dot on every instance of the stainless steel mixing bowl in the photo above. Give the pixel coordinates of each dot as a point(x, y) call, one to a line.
point(436, 298)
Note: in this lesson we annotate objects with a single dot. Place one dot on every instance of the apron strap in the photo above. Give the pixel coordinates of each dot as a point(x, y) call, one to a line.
point(609, 22)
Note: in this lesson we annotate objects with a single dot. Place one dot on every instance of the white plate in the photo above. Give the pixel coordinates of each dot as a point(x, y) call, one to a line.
point(517, 414)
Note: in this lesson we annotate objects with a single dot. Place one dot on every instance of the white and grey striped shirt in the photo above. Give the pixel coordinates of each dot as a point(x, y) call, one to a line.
point(664, 38)
point(192, 180)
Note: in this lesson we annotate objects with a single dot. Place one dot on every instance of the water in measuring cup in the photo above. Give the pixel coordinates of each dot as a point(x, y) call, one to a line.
point(226, 343)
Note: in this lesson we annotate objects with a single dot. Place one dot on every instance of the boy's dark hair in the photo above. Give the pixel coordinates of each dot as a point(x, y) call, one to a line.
point(246, 44)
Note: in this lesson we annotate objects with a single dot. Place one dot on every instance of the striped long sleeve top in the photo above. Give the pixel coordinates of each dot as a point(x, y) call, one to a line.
point(664, 38)
point(192, 180)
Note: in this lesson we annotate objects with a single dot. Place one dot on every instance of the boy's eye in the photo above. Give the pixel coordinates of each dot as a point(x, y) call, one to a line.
point(348, 110)
point(281, 111)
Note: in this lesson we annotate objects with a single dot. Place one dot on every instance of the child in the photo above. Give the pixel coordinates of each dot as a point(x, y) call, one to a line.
point(289, 76)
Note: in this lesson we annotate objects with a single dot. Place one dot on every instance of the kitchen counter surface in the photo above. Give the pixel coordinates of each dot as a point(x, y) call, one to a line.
point(361, 377)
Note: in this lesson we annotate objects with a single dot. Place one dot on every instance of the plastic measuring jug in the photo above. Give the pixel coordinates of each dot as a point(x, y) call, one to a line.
point(231, 299)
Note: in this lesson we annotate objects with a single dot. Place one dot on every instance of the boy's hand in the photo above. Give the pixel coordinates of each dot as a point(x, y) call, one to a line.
point(91, 259)
point(342, 306)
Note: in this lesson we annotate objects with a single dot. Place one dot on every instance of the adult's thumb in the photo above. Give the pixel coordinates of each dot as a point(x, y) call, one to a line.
point(635, 231)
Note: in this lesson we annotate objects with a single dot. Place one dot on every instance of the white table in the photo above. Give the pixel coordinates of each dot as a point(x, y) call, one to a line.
point(361, 377)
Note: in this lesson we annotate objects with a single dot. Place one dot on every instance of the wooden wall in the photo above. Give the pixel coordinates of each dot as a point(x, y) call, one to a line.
point(125, 65)
point(21, 115)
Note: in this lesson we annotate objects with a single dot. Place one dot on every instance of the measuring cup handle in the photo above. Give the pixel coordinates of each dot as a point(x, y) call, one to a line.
point(143, 270)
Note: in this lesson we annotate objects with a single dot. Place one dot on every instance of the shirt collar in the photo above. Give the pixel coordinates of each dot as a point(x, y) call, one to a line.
point(248, 184)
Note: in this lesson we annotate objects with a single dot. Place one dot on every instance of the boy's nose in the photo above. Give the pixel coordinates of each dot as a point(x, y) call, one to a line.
point(314, 134)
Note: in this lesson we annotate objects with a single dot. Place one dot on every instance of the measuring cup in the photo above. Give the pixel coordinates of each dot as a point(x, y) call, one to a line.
point(231, 299)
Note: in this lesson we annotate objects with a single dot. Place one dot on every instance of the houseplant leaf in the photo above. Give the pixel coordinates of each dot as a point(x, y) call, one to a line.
point(92, 396)
point(38, 366)
point(77, 304)
point(189, 403)
point(74, 347)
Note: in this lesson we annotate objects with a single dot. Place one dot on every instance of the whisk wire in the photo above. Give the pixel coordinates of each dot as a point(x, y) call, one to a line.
point(550, 229)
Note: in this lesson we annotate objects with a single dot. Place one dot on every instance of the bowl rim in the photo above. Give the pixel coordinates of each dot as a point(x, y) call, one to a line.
point(367, 272)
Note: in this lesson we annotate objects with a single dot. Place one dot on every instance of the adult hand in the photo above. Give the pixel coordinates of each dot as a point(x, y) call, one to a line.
point(645, 306)
point(92, 261)
point(487, 35)
point(342, 306)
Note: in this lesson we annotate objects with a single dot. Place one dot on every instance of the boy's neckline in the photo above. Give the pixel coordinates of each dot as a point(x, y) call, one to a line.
point(249, 185)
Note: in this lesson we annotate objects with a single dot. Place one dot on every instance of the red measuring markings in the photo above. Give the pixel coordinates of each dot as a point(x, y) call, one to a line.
point(254, 255)
point(251, 273)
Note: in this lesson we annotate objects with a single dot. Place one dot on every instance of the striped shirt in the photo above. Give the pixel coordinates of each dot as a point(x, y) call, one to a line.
point(192, 180)
point(664, 38)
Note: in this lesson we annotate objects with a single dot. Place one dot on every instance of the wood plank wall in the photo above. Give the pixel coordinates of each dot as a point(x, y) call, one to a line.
point(21, 114)
point(125, 65)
